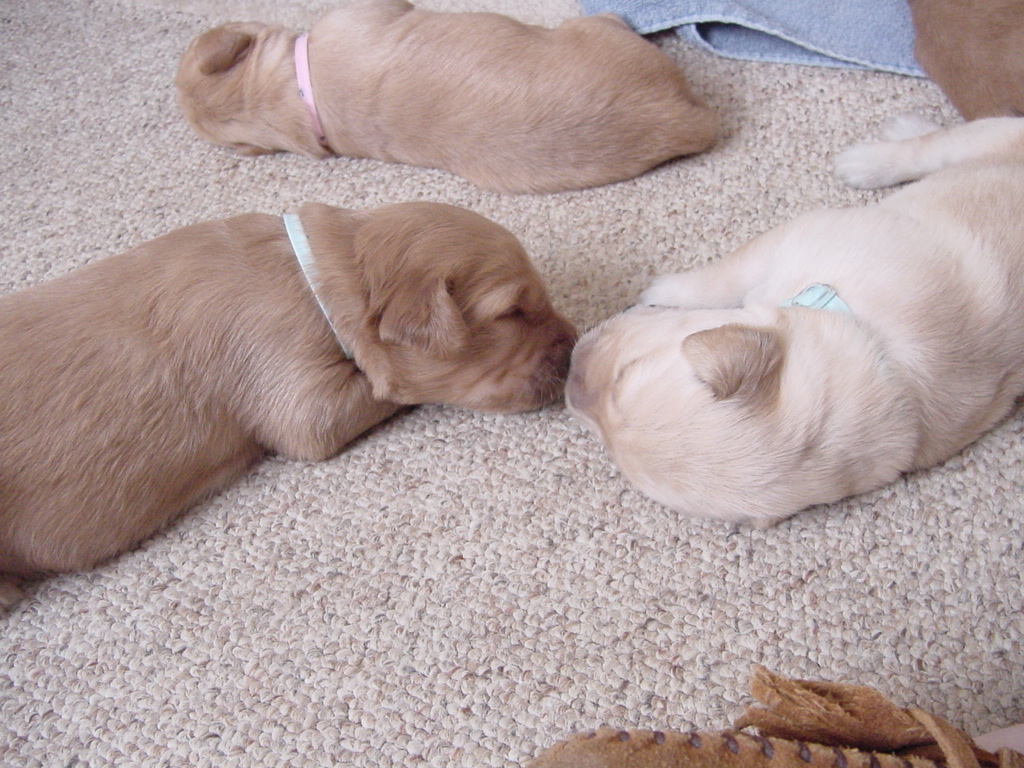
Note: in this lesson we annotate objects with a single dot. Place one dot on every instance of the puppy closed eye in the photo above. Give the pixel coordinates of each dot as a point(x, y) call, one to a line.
point(528, 307)
point(625, 380)
point(515, 313)
point(507, 302)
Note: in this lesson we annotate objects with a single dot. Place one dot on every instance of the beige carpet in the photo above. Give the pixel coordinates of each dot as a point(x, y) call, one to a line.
point(460, 589)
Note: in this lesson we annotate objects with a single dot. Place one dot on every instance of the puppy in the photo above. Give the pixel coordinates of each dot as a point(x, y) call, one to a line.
point(833, 353)
point(974, 50)
point(140, 384)
point(511, 107)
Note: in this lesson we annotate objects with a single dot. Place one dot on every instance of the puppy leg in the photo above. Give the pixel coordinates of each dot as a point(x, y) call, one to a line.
point(691, 290)
point(909, 125)
point(722, 284)
point(329, 418)
point(886, 163)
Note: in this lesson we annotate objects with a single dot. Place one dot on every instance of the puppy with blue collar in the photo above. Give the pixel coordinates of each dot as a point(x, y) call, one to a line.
point(136, 386)
point(828, 356)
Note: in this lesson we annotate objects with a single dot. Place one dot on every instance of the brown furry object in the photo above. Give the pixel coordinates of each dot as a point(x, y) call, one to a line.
point(509, 106)
point(974, 50)
point(803, 724)
point(140, 384)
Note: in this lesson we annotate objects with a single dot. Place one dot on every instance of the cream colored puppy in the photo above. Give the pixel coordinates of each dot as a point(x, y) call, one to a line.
point(509, 106)
point(833, 353)
point(137, 385)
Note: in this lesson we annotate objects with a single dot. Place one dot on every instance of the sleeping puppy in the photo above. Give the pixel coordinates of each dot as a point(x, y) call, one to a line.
point(509, 106)
point(140, 384)
point(831, 354)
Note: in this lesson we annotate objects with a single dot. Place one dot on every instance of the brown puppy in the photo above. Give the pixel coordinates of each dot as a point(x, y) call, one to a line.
point(140, 384)
point(974, 50)
point(508, 106)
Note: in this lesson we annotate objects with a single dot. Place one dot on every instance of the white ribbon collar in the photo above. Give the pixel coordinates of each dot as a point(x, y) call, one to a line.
point(304, 255)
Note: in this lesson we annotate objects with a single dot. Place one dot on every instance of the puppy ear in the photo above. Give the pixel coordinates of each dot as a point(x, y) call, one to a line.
point(737, 361)
point(423, 316)
point(222, 48)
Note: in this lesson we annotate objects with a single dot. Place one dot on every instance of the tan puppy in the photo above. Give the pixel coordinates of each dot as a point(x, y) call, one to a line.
point(742, 395)
point(974, 50)
point(140, 384)
point(508, 106)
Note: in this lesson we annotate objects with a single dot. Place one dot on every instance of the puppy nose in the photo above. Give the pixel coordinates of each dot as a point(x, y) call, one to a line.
point(559, 349)
point(562, 349)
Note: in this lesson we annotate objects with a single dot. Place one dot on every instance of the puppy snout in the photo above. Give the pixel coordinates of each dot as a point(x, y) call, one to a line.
point(560, 355)
point(554, 367)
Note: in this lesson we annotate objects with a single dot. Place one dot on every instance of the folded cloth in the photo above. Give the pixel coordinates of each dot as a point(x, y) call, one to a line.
point(856, 34)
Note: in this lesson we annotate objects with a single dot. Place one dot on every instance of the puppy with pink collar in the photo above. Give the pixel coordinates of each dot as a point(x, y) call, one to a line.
point(509, 106)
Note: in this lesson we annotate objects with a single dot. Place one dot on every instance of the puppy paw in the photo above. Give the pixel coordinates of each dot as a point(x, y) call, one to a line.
point(869, 165)
point(909, 125)
point(666, 291)
point(873, 165)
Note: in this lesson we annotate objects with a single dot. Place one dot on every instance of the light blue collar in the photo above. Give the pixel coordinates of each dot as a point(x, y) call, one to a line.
point(818, 296)
point(304, 255)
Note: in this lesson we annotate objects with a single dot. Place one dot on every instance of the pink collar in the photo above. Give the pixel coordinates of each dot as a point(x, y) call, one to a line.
point(306, 85)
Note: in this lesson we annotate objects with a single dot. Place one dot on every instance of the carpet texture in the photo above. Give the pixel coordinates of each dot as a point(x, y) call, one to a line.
point(459, 589)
